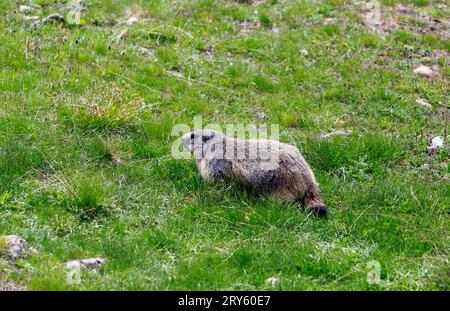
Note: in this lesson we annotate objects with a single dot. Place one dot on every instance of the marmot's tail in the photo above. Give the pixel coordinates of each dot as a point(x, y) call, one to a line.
point(314, 203)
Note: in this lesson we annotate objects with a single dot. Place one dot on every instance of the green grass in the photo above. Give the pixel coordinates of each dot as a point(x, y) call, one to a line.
point(85, 142)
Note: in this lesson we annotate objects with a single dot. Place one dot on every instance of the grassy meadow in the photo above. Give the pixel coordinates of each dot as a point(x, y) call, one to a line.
point(87, 110)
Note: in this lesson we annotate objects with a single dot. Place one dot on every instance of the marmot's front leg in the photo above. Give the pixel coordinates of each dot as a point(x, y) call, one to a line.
point(214, 169)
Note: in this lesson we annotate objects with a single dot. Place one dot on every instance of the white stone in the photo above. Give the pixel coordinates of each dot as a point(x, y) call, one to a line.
point(33, 19)
point(131, 20)
point(26, 9)
point(423, 102)
point(437, 142)
point(304, 52)
point(424, 71)
point(85, 264)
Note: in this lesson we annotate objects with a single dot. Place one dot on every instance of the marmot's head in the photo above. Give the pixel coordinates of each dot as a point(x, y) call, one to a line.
point(201, 142)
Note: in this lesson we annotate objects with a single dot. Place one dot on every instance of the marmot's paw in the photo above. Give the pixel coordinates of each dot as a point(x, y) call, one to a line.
point(318, 210)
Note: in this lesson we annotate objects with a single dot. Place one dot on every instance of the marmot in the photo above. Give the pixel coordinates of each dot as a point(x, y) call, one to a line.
point(290, 179)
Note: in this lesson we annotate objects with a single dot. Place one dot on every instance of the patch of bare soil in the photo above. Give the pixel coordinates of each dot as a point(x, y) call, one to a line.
point(408, 17)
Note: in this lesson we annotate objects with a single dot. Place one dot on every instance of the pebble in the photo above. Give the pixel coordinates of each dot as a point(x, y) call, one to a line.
point(436, 142)
point(263, 116)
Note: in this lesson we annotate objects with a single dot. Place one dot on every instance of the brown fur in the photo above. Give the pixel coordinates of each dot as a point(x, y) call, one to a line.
point(291, 180)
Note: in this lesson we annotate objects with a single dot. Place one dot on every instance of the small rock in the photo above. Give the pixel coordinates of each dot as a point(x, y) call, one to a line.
point(131, 20)
point(116, 161)
point(423, 102)
point(54, 18)
point(33, 19)
point(424, 71)
point(304, 52)
point(334, 133)
point(10, 286)
point(76, 4)
point(436, 142)
point(263, 116)
point(272, 281)
point(85, 264)
point(25, 9)
point(13, 247)
point(275, 29)
point(144, 51)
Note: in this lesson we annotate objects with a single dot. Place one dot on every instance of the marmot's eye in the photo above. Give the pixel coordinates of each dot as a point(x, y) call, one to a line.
point(192, 136)
point(206, 138)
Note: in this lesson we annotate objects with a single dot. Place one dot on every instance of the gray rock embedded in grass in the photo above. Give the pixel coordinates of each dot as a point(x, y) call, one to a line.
point(85, 264)
point(32, 19)
point(131, 20)
point(13, 247)
point(424, 71)
point(436, 142)
point(335, 133)
point(423, 102)
point(25, 9)
point(10, 286)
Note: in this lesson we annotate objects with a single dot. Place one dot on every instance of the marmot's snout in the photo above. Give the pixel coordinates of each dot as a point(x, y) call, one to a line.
point(318, 210)
point(188, 142)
